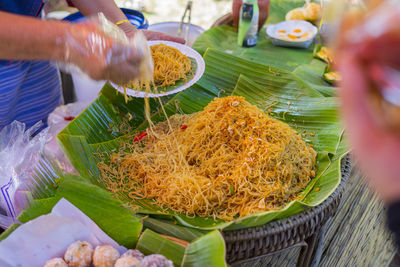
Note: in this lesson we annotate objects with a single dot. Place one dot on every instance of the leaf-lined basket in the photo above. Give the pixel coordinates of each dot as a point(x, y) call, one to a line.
point(288, 97)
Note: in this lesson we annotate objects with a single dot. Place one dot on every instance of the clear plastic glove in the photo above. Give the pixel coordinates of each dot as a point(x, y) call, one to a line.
point(57, 121)
point(101, 49)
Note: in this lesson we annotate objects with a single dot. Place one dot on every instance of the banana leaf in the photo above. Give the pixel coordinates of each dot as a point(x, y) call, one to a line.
point(108, 213)
point(153, 243)
point(299, 61)
point(224, 38)
point(9, 231)
point(207, 250)
point(285, 94)
point(168, 227)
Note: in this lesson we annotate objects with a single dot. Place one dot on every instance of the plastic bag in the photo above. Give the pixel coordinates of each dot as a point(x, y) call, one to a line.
point(19, 154)
point(56, 121)
point(101, 50)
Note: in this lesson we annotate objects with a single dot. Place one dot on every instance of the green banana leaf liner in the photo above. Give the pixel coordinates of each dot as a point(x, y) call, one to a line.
point(104, 126)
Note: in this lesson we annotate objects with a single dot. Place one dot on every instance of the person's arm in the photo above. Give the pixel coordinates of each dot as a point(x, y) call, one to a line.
point(27, 38)
point(376, 145)
point(263, 6)
point(108, 8)
point(114, 14)
point(83, 45)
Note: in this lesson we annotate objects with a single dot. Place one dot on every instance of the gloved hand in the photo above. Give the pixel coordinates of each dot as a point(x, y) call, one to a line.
point(100, 55)
point(105, 51)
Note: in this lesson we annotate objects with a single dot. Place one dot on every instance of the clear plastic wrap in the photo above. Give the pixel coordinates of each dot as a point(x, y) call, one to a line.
point(56, 121)
point(19, 154)
point(101, 50)
point(31, 160)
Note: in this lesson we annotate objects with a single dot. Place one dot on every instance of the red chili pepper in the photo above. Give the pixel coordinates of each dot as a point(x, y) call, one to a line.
point(69, 118)
point(183, 127)
point(139, 136)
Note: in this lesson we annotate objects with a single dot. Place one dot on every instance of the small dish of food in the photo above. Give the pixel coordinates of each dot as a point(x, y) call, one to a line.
point(292, 33)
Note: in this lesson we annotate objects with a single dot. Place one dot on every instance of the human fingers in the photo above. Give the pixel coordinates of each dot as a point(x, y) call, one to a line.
point(123, 73)
point(377, 150)
point(263, 6)
point(353, 95)
point(129, 29)
point(152, 35)
point(124, 53)
point(236, 4)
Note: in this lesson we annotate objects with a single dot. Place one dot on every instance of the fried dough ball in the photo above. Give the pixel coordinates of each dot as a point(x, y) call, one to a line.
point(55, 262)
point(79, 254)
point(156, 260)
point(133, 253)
point(296, 14)
point(313, 12)
point(105, 256)
point(127, 261)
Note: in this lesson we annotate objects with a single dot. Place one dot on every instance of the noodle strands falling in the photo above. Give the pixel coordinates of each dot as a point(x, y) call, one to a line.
point(170, 66)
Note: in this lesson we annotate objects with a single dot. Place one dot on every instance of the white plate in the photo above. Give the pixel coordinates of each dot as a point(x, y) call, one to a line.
point(289, 27)
point(186, 50)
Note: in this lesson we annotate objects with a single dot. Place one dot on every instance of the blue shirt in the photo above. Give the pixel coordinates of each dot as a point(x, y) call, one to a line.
point(29, 90)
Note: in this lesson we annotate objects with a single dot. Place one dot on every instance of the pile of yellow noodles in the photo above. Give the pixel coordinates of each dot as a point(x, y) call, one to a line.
point(170, 65)
point(229, 160)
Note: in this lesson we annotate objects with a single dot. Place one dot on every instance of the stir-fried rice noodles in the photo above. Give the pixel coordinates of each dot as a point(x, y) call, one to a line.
point(227, 161)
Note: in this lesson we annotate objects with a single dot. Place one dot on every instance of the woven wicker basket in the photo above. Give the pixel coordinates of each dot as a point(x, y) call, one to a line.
point(245, 244)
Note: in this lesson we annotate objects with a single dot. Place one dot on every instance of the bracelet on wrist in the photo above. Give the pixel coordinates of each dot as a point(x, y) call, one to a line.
point(122, 21)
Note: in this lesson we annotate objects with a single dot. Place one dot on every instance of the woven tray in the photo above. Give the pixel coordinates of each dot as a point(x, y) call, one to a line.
point(248, 243)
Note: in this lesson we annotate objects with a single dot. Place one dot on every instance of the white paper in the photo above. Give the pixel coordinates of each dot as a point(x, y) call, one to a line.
point(49, 236)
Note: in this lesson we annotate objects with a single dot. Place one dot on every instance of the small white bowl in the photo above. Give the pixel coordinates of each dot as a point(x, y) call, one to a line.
point(302, 32)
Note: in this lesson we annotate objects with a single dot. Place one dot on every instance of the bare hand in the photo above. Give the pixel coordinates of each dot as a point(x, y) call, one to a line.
point(152, 35)
point(263, 6)
point(130, 31)
point(376, 148)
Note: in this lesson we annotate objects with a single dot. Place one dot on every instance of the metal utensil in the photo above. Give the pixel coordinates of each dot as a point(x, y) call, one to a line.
point(188, 14)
